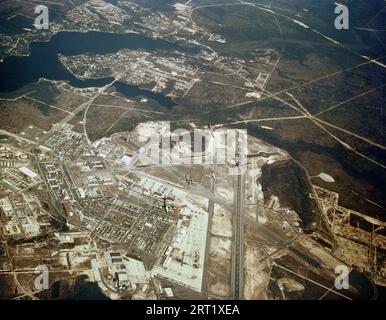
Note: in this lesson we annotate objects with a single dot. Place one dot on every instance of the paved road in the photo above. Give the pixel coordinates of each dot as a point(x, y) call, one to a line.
point(16, 136)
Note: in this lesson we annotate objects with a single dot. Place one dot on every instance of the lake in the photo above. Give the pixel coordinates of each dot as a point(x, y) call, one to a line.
point(43, 62)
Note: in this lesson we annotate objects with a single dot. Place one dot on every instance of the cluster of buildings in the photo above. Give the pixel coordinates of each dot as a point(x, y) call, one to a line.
point(98, 193)
point(361, 238)
point(15, 171)
point(172, 75)
point(118, 220)
point(17, 179)
point(92, 13)
point(65, 143)
point(57, 179)
point(21, 216)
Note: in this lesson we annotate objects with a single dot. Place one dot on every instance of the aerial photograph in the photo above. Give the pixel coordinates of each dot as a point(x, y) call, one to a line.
point(201, 150)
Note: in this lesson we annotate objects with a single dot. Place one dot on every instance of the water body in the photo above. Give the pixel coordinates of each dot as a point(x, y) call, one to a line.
point(82, 289)
point(43, 62)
